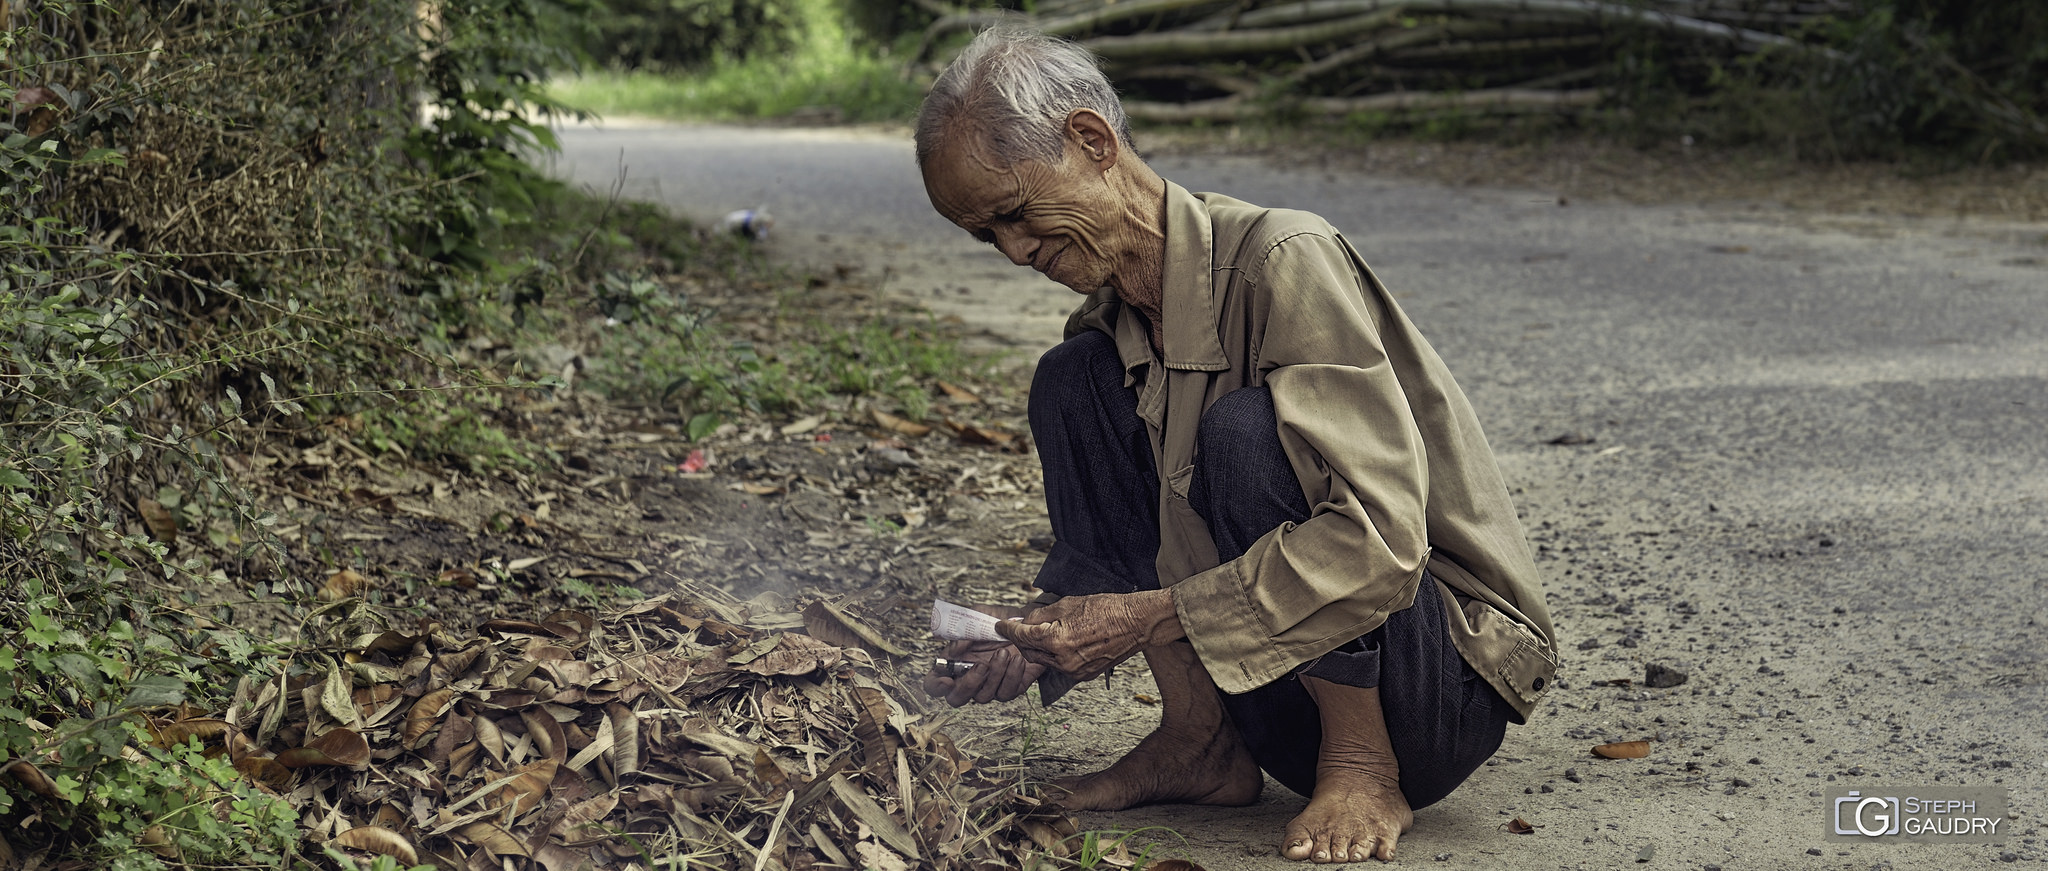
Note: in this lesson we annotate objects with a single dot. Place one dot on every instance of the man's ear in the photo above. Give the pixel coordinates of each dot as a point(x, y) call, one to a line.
point(1088, 129)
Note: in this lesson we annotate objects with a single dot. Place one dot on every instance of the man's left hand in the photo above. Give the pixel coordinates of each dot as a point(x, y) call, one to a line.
point(1083, 636)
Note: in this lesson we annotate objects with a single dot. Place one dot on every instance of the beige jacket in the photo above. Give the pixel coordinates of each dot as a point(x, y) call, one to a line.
point(1387, 450)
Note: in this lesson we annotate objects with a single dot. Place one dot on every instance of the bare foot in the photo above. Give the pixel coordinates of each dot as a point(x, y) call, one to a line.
point(1353, 816)
point(1358, 811)
point(1195, 756)
point(1171, 766)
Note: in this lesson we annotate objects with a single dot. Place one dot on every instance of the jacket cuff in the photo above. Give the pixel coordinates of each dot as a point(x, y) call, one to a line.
point(1226, 630)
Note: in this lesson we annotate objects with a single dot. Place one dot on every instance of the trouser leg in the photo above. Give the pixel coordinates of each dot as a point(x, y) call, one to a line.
point(1101, 491)
point(1444, 719)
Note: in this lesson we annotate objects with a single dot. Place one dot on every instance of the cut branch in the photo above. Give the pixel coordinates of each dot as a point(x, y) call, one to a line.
point(1179, 45)
point(1320, 10)
point(1504, 101)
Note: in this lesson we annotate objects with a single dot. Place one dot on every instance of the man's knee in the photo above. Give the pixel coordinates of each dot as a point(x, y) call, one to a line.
point(1238, 427)
point(1067, 371)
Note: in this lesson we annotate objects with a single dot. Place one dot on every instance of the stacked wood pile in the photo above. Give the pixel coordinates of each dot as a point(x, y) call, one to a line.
point(1221, 60)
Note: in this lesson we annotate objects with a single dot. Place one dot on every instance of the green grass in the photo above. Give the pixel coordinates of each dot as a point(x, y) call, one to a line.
point(826, 74)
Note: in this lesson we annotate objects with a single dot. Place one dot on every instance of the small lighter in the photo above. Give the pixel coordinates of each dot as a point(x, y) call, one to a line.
point(950, 667)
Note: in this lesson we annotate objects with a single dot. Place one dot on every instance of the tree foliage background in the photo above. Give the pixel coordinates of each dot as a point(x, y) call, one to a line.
point(220, 220)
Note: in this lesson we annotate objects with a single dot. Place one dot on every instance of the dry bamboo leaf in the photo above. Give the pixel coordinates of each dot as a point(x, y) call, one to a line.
point(343, 584)
point(625, 751)
point(803, 425)
point(825, 845)
point(833, 625)
point(339, 746)
point(493, 840)
point(957, 393)
point(581, 823)
point(379, 840)
point(428, 709)
point(155, 518)
point(1623, 750)
point(877, 857)
point(877, 820)
point(892, 423)
point(753, 489)
point(558, 858)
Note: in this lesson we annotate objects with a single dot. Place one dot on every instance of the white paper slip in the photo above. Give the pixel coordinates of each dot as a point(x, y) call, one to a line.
point(956, 623)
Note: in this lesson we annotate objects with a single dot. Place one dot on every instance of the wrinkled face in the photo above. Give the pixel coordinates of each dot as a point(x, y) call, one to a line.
point(1061, 220)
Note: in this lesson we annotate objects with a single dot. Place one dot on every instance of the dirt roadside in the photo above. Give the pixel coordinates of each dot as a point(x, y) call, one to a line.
point(845, 507)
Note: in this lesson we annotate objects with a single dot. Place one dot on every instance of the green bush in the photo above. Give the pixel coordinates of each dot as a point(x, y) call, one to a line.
point(689, 34)
point(219, 219)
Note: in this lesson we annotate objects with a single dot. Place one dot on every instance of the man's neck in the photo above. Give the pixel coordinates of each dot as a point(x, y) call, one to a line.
point(1140, 276)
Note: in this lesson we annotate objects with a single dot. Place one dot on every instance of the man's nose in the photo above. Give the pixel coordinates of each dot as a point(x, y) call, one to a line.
point(1016, 244)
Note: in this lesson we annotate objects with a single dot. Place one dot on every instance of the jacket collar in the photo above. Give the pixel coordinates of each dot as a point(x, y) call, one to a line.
point(1188, 307)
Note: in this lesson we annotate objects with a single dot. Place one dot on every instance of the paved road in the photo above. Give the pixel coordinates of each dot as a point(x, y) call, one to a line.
point(1817, 479)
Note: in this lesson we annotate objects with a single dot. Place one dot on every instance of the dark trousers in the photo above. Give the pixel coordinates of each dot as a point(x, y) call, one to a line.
point(1102, 490)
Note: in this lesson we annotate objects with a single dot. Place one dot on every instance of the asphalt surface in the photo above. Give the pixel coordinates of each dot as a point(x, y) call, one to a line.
point(1804, 459)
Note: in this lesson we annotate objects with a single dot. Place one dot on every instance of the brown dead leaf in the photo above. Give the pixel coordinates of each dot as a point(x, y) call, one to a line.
point(34, 779)
point(161, 525)
point(1623, 750)
point(1519, 826)
point(264, 770)
point(546, 734)
point(206, 730)
point(957, 393)
point(428, 709)
point(793, 657)
point(340, 746)
point(529, 787)
point(493, 840)
point(625, 752)
point(768, 771)
point(892, 423)
point(1174, 865)
point(343, 584)
point(972, 434)
point(379, 840)
point(157, 839)
point(831, 624)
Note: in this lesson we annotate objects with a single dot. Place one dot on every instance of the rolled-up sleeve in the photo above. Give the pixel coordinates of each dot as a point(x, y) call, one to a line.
point(1348, 429)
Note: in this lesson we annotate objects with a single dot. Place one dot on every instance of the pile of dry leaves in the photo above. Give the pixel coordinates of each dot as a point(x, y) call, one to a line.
point(671, 730)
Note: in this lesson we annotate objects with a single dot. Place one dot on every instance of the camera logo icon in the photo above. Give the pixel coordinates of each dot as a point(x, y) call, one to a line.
point(1871, 816)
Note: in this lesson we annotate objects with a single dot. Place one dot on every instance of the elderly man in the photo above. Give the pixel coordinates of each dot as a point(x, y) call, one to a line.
point(1259, 476)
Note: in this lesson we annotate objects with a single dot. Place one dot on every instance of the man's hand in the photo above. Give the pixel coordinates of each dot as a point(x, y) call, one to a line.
point(1000, 672)
point(1083, 636)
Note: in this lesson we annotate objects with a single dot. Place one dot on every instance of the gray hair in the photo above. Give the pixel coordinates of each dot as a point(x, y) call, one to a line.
point(1015, 87)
